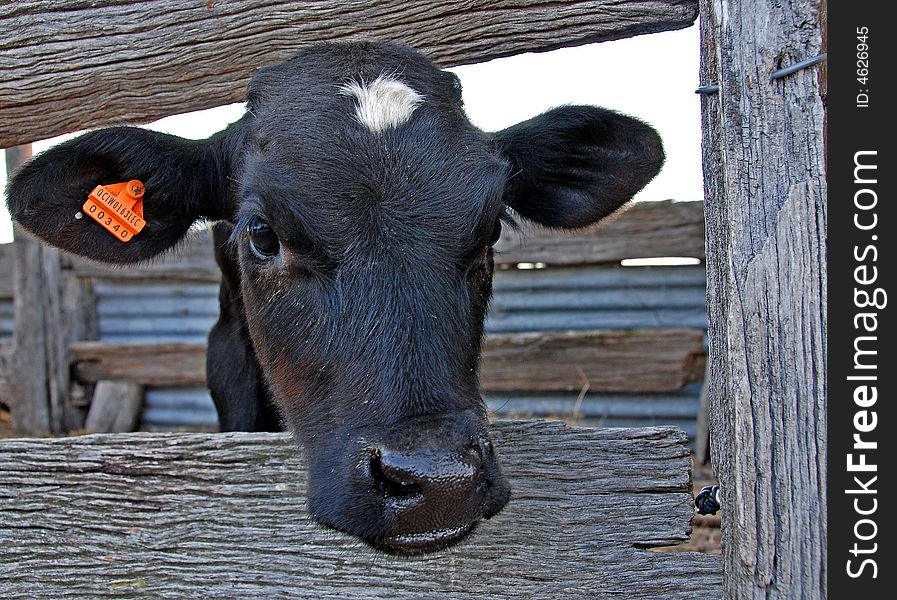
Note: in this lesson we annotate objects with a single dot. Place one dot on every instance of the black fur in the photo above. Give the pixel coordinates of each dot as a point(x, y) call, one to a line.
point(232, 370)
point(363, 333)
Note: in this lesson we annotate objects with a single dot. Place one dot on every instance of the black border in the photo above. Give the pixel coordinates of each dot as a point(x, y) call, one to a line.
point(852, 129)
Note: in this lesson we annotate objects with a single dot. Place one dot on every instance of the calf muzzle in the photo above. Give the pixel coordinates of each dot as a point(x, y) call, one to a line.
point(421, 485)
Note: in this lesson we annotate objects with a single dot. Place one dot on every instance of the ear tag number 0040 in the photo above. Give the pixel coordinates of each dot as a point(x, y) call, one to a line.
point(118, 207)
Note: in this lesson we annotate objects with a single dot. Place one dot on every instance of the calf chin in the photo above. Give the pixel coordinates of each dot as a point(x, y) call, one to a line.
point(416, 487)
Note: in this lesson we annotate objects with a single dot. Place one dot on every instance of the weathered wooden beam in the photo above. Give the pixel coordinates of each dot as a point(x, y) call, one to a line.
point(223, 516)
point(38, 366)
point(764, 173)
point(50, 310)
point(645, 229)
point(37, 369)
point(179, 363)
point(70, 65)
point(642, 360)
point(28, 390)
point(646, 360)
point(115, 407)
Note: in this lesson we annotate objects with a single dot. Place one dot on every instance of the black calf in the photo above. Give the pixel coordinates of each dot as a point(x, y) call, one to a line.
point(357, 208)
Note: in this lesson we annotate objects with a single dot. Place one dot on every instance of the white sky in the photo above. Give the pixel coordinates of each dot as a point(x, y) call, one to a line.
point(651, 77)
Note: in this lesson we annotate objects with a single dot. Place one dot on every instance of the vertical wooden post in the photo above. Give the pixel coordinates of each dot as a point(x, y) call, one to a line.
point(766, 283)
point(27, 369)
point(39, 364)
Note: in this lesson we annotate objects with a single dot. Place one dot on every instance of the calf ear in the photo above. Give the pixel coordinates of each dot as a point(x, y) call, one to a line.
point(183, 181)
point(574, 165)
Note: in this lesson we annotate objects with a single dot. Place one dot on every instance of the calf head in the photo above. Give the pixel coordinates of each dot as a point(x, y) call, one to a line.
point(362, 206)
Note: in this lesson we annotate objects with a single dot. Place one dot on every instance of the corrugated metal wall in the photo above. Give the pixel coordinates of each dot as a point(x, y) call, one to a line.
point(136, 311)
point(606, 410)
point(587, 297)
point(597, 297)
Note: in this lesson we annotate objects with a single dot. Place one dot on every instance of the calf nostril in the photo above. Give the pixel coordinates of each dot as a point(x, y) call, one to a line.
point(392, 482)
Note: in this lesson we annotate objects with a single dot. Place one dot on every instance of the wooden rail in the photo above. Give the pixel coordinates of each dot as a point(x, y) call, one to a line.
point(641, 360)
point(222, 516)
point(643, 230)
point(646, 360)
point(71, 65)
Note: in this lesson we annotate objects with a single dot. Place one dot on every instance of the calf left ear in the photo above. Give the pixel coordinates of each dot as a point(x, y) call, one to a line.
point(183, 181)
point(572, 166)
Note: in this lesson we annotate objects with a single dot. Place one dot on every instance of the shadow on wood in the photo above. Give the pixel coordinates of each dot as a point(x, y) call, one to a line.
point(223, 515)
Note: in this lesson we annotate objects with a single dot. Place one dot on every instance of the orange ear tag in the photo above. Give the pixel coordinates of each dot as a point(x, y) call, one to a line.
point(118, 207)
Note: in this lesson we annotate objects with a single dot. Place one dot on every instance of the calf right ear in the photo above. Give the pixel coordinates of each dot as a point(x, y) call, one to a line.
point(184, 180)
point(574, 165)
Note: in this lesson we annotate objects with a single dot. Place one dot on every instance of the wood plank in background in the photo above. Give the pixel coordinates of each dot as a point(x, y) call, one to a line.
point(644, 229)
point(37, 381)
point(222, 516)
point(165, 364)
point(648, 360)
point(645, 360)
point(71, 65)
point(115, 407)
point(193, 259)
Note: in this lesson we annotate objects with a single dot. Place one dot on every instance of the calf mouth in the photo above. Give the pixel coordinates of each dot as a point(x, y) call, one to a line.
point(416, 544)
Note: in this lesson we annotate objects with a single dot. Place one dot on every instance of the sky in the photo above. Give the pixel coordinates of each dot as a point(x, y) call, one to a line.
point(652, 77)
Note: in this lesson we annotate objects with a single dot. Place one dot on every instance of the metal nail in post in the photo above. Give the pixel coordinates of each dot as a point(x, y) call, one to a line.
point(777, 74)
point(807, 62)
point(708, 89)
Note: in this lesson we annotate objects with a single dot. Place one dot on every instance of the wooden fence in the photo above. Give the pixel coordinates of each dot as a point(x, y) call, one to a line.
point(222, 516)
point(70, 65)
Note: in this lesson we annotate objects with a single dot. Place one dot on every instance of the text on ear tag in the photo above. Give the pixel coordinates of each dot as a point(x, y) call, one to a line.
point(118, 207)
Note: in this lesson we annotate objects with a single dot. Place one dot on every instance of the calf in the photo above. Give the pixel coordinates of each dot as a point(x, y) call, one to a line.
point(355, 209)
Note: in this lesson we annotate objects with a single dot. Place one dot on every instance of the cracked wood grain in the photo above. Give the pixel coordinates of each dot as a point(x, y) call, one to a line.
point(71, 65)
point(766, 221)
point(223, 516)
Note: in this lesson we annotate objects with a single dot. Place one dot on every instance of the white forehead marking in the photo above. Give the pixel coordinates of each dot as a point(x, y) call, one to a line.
point(385, 102)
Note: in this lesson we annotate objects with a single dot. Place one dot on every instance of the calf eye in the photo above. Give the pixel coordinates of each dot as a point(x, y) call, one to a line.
point(263, 240)
point(496, 233)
